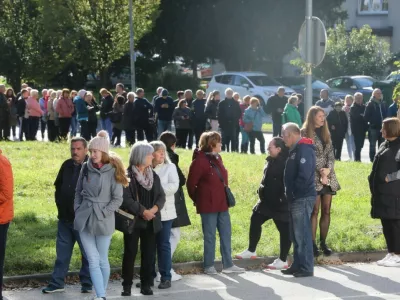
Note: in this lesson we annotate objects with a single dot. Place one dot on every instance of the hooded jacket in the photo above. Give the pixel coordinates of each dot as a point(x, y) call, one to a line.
point(273, 105)
point(6, 191)
point(229, 113)
point(199, 117)
point(81, 109)
point(291, 114)
point(254, 116)
point(300, 171)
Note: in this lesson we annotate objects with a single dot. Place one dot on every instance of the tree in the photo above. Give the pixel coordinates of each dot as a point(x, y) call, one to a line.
point(358, 52)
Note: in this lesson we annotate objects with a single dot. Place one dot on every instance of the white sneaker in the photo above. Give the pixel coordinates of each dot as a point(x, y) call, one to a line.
point(388, 256)
point(394, 261)
point(15, 139)
point(210, 271)
point(175, 276)
point(158, 277)
point(233, 269)
point(246, 255)
point(278, 264)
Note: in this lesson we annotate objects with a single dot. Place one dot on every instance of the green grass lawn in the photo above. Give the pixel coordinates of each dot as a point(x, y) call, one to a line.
point(267, 127)
point(32, 235)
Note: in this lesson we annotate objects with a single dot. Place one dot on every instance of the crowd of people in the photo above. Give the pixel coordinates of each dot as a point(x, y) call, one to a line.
point(93, 187)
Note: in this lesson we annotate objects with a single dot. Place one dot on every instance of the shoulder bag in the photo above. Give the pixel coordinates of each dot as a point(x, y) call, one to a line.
point(230, 198)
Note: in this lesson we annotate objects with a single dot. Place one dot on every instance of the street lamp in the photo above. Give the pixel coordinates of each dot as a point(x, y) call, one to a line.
point(132, 46)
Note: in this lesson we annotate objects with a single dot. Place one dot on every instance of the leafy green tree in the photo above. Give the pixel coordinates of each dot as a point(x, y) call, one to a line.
point(358, 52)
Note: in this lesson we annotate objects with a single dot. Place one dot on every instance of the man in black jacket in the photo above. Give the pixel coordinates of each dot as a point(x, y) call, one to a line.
point(229, 113)
point(358, 125)
point(189, 100)
point(23, 115)
point(4, 115)
point(274, 107)
point(143, 117)
point(338, 125)
point(65, 185)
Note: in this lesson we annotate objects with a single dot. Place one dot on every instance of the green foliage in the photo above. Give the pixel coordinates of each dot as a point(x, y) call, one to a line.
point(396, 94)
point(358, 52)
point(32, 234)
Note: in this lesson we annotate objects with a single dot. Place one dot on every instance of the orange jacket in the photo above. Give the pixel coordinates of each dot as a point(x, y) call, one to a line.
point(6, 191)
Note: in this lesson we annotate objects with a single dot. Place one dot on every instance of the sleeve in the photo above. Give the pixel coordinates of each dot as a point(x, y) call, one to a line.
point(156, 108)
point(6, 182)
point(269, 105)
point(246, 117)
point(116, 198)
point(58, 183)
point(78, 190)
point(195, 173)
point(346, 121)
point(331, 156)
point(159, 194)
point(41, 103)
point(395, 175)
point(59, 107)
point(176, 115)
point(172, 185)
point(207, 110)
point(220, 114)
point(367, 114)
point(306, 168)
point(182, 178)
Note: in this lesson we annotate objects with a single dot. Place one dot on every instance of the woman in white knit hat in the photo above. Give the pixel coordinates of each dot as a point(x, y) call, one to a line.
point(98, 195)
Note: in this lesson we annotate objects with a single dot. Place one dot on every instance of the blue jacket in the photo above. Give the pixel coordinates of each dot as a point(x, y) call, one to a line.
point(256, 116)
point(375, 113)
point(81, 109)
point(164, 114)
point(199, 117)
point(392, 110)
point(300, 171)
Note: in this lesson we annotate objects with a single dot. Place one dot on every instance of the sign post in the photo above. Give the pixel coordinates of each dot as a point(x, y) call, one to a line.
point(132, 47)
point(309, 54)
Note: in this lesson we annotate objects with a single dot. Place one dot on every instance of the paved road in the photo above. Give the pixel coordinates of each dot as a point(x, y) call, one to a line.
point(353, 281)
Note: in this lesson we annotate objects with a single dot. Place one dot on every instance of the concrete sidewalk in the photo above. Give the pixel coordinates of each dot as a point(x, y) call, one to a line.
point(351, 281)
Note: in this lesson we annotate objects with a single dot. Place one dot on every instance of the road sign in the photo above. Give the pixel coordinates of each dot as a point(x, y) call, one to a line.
point(319, 39)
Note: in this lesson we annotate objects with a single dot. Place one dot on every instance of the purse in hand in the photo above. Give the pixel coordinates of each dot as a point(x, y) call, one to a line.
point(230, 198)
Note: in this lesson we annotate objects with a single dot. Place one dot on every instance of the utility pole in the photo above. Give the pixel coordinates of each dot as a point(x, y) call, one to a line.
point(132, 46)
point(309, 53)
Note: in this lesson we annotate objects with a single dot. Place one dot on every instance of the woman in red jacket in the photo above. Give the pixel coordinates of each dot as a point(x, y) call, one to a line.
point(65, 109)
point(208, 194)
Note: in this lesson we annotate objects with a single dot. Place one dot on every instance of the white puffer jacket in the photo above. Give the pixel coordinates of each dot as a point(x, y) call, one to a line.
point(170, 184)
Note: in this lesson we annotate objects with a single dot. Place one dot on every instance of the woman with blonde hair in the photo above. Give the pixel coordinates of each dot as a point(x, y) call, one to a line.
point(254, 115)
point(316, 128)
point(212, 108)
point(98, 196)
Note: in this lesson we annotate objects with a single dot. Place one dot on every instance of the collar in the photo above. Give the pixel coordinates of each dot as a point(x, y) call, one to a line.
point(295, 145)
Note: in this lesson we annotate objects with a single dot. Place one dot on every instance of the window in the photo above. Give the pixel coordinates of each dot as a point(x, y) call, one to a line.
point(335, 83)
point(373, 6)
point(261, 80)
point(218, 78)
point(226, 79)
point(240, 81)
point(364, 82)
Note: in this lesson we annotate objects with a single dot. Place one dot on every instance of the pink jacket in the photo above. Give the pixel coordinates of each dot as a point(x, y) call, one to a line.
point(65, 108)
point(33, 107)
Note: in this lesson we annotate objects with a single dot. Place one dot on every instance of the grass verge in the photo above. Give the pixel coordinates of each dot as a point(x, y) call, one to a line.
point(32, 235)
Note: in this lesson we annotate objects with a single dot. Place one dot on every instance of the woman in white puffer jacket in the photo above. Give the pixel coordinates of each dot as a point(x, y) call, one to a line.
point(170, 183)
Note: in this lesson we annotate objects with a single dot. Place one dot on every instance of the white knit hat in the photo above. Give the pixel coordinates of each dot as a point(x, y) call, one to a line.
point(100, 142)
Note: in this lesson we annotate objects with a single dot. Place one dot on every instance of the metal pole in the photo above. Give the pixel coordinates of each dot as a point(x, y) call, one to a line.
point(132, 46)
point(309, 52)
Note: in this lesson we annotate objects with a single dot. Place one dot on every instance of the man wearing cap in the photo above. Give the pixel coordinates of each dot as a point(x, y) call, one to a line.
point(164, 108)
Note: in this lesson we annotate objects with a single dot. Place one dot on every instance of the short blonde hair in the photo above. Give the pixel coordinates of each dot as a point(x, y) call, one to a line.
point(254, 100)
point(293, 99)
point(209, 140)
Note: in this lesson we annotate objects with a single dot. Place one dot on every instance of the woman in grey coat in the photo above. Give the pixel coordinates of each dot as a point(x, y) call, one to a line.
point(98, 195)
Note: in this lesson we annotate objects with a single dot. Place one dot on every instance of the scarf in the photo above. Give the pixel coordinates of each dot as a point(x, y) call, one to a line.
point(346, 108)
point(146, 179)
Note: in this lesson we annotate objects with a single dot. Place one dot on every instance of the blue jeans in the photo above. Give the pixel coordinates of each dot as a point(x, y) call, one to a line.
point(245, 136)
point(163, 126)
point(164, 257)
point(374, 135)
point(96, 248)
point(300, 234)
point(74, 126)
point(107, 126)
point(66, 238)
point(350, 145)
point(210, 223)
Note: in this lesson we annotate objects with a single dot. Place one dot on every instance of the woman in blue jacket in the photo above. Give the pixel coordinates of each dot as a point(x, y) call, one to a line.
point(254, 115)
point(83, 114)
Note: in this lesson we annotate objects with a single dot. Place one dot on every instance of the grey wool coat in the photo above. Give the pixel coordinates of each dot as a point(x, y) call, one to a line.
point(97, 197)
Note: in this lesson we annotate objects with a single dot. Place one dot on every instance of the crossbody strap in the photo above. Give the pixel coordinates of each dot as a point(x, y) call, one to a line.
point(218, 172)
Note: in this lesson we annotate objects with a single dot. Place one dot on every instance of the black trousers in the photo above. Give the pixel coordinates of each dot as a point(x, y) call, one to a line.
point(33, 128)
point(337, 144)
point(14, 130)
point(92, 126)
point(149, 131)
point(359, 139)
point(198, 131)
point(391, 231)
point(190, 141)
point(3, 241)
point(147, 250)
point(116, 136)
point(130, 137)
point(229, 136)
point(85, 130)
point(181, 137)
point(23, 128)
point(65, 123)
point(253, 135)
point(256, 222)
point(42, 126)
point(277, 128)
point(51, 130)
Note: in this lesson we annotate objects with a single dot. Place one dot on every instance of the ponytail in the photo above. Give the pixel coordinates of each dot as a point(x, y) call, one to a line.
point(120, 173)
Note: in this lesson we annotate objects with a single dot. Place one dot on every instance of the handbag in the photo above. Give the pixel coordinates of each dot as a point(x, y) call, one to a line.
point(248, 127)
point(126, 222)
point(230, 198)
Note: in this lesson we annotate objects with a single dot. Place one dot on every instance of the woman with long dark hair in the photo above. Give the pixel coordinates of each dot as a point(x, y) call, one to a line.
point(316, 128)
point(12, 104)
point(272, 204)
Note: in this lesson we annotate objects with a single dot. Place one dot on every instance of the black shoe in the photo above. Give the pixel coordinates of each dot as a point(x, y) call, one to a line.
point(86, 289)
point(147, 291)
point(126, 291)
point(164, 285)
point(139, 285)
point(325, 249)
point(288, 271)
point(303, 274)
point(316, 250)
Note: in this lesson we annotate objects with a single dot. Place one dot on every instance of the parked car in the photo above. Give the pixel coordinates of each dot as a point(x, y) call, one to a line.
point(394, 76)
point(255, 84)
point(297, 83)
point(343, 85)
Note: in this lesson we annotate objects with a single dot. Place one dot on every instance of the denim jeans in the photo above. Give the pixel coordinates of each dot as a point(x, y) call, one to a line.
point(66, 238)
point(3, 242)
point(107, 126)
point(229, 137)
point(245, 136)
point(163, 126)
point(74, 126)
point(374, 136)
point(164, 258)
point(300, 233)
point(96, 248)
point(210, 222)
point(350, 145)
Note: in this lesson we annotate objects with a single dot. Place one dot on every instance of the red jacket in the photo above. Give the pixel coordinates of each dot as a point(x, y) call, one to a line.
point(6, 191)
point(204, 186)
point(65, 108)
point(243, 107)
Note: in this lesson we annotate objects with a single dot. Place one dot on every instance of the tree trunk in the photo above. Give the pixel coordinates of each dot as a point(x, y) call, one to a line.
point(14, 80)
point(105, 78)
point(194, 68)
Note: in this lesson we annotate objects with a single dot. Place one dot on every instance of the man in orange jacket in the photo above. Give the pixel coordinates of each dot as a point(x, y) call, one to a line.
point(6, 209)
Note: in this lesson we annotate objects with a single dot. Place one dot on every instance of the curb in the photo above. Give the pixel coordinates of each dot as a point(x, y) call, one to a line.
point(196, 267)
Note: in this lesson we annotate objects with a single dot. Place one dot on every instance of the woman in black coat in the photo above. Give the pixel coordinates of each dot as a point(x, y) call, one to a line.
point(169, 139)
point(93, 108)
point(358, 125)
point(338, 123)
point(385, 190)
point(128, 119)
point(272, 205)
point(144, 198)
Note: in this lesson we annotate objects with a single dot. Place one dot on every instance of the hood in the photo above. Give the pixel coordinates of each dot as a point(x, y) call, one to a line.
point(82, 93)
point(197, 153)
point(305, 141)
point(77, 98)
